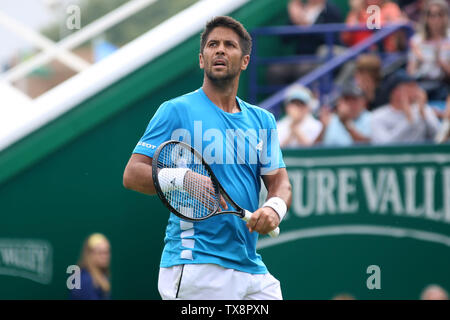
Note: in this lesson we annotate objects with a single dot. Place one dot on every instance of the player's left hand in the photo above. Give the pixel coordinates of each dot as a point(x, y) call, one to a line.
point(263, 220)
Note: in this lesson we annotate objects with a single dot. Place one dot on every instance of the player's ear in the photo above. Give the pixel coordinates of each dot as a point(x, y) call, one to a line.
point(245, 61)
point(200, 59)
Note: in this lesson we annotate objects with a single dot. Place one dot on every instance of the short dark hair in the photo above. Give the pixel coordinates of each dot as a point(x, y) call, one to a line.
point(228, 22)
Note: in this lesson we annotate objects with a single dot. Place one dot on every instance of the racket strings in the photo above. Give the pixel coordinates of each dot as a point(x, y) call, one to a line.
point(196, 199)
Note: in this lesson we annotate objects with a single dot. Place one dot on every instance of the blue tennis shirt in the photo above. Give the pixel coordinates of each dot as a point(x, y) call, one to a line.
point(239, 147)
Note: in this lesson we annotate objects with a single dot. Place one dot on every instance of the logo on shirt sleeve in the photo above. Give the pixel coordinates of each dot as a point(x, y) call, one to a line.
point(146, 145)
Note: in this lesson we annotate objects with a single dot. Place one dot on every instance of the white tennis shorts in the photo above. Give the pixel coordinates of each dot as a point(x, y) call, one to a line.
point(213, 282)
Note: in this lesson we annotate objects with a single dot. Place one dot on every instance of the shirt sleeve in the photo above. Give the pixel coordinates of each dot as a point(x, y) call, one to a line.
point(271, 157)
point(160, 129)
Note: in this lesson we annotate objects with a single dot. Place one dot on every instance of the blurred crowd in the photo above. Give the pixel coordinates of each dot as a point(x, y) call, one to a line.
point(410, 104)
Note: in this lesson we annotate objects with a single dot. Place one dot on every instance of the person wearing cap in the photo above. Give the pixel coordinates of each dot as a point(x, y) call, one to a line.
point(298, 128)
point(350, 124)
point(407, 117)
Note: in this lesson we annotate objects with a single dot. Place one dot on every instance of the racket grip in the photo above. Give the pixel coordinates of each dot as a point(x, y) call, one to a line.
point(274, 233)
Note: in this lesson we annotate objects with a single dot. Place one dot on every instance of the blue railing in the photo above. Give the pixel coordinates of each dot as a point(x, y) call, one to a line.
point(329, 63)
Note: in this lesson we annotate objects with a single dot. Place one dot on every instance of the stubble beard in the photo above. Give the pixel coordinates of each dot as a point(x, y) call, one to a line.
point(221, 80)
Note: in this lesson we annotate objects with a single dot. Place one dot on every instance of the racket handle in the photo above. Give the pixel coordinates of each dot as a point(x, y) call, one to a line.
point(274, 233)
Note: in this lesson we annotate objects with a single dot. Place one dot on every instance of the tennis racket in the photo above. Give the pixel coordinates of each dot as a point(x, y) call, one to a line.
point(187, 186)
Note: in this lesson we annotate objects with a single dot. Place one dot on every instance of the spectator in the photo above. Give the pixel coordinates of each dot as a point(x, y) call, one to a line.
point(95, 271)
point(434, 292)
point(298, 128)
point(357, 15)
point(389, 13)
point(343, 296)
point(407, 117)
point(368, 77)
point(413, 9)
point(308, 14)
point(351, 122)
point(444, 133)
point(429, 59)
point(304, 14)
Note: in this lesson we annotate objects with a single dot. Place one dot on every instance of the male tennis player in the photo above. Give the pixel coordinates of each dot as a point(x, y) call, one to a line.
point(216, 258)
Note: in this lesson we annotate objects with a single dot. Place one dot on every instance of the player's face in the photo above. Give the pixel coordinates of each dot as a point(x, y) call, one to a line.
point(222, 57)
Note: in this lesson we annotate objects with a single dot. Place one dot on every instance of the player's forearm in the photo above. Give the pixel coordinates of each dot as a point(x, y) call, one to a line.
point(138, 177)
point(282, 191)
point(279, 186)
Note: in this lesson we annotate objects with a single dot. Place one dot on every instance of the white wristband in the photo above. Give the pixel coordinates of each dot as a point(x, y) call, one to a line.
point(277, 204)
point(171, 179)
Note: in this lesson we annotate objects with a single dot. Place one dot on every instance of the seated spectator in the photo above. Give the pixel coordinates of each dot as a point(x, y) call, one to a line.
point(304, 14)
point(444, 134)
point(308, 14)
point(94, 264)
point(357, 16)
point(407, 117)
point(429, 59)
point(413, 9)
point(434, 292)
point(389, 13)
point(368, 78)
point(351, 122)
point(298, 128)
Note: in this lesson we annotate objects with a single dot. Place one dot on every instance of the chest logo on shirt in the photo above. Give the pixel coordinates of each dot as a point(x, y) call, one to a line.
point(259, 146)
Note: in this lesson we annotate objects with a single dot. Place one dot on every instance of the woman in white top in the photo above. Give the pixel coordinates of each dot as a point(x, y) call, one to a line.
point(429, 59)
point(298, 128)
